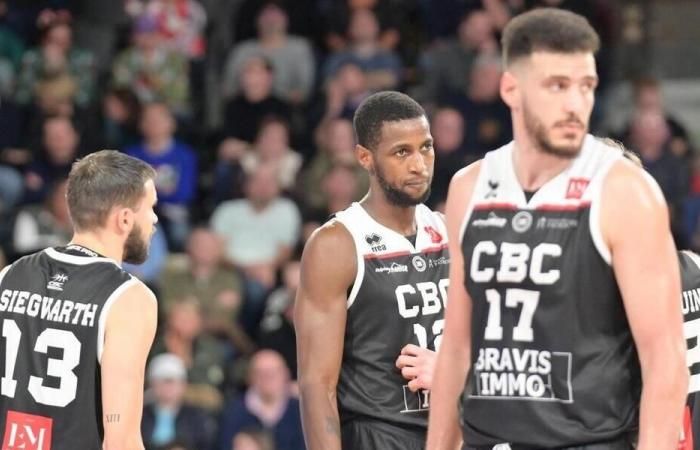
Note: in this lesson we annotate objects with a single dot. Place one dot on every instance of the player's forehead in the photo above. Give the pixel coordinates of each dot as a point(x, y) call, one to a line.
point(544, 64)
point(407, 132)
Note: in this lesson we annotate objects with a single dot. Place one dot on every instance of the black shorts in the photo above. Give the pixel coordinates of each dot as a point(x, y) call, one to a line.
point(365, 434)
point(625, 443)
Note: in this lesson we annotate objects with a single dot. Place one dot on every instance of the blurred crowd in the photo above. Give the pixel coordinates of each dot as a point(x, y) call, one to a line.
point(244, 108)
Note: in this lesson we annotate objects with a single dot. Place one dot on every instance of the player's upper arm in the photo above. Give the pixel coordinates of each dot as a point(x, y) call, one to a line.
point(635, 226)
point(129, 331)
point(328, 269)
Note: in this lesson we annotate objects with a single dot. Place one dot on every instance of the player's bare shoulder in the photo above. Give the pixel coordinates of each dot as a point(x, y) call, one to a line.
point(629, 182)
point(330, 252)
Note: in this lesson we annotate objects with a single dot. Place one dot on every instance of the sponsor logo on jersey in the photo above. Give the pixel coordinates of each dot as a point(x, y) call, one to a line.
point(491, 221)
point(393, 268)
point(435, 236)
point(375, 242)
point(441, 261)
point(576, 187)
point(57, 281)
point(522, 221)
point(556, 223)
point(27, 432)
point(419, 263)
point(493, 189)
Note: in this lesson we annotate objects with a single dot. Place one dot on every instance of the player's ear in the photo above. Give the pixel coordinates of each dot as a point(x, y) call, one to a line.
point(509, 90)
point(364, 157)
point(124, 219)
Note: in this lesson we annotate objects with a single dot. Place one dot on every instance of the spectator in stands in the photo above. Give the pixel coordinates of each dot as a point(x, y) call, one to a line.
point(382, 67)
point(277, 325)
point(150, 270)
point(447, 128)
point(345, 91)
point(120, 116)
point(176, 170)
point(220, 290)
point(267, 404)
point(59, 150)
point(154, 72)
point(39, 226)
point(57, 59)
point(391, 15)
point(486, 117)
point(167, 418)
point(11, 190)
point(255, 101)
point(445, 67)
point(253, 439)
point(260, 230)
point(203, 355)
point(291, 57)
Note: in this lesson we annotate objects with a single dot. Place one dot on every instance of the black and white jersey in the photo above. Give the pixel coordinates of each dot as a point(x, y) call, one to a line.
point(553, 360)
point(690, 304)
point(53, 308)
point(398, 298)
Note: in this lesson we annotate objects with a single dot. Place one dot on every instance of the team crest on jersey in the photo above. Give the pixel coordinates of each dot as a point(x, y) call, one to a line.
point(27, 432)
point(522, 221)
point(419, 263)
point(375, 242)
point(435, 236)
point(576, 188)
point(57, 281)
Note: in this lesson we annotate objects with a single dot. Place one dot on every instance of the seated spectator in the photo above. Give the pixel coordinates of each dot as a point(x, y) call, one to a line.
point(203, 355)
point(446, 66)
point(167, 418)
point(154, 72)
point(255, 101)
point(11, 190)
point(267, 404)
point(382, 67)
point(291, 57)
point(277, 325)
point(120, 116)
point(391, 15)
point(59, 150)
point(39, 226)
point(203, 276)
point(345, 91)
point(176, 170)
point(339, 190)
point(253, 439)
point(447, 128)
point(56, 58)
point(487, 118)
point(260, 230)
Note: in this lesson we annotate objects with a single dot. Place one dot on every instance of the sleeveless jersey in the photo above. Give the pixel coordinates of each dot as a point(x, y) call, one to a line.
point(398, 298)
point(690, 304)
point(53, 307)
point(553, 362)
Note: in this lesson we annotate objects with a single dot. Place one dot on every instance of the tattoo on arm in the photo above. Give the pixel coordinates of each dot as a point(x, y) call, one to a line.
point(112, 418)
point(332, 426)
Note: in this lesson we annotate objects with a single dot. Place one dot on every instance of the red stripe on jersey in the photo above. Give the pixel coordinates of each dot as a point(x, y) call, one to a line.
point(405, 253)
point(553, 207)
point(495, 205)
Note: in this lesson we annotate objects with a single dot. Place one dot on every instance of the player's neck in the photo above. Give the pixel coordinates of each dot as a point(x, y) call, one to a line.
point(533, 168)
point(99, 244)
point(401, 219)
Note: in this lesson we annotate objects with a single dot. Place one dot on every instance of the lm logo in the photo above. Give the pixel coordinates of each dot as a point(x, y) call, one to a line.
point(27, 432)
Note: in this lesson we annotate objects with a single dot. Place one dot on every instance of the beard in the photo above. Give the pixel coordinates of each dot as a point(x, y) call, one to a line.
point(538, 132)
point(135, 247)
point(397, 197)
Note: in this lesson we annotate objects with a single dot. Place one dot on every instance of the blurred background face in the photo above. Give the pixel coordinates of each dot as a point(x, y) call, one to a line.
point(272, 20)
point(169, 391)
point(272, 140)
point(649, 98)
point(262, 186)
point(340, 140)
point(157, 122)
point(269, 376)
point(649, 130)
point(363, 27)
point(59, 36)
point(256, 79)
point(485, 80)
point(475, 29)
point(340, 184)
point(60, 140)
point(186, 319)
point(204, 247)
point(352, 79)
point(448, 130)
point(57, 202)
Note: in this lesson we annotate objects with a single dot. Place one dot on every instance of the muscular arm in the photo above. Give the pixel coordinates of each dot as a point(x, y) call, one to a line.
point(328, 268)
point(635, 225)
point(129, 331)
point(454, 355)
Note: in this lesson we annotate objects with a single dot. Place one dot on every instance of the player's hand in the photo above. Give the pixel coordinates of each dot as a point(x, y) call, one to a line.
point(417, 365)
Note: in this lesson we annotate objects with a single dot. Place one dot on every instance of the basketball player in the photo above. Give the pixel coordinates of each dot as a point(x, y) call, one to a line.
point(690, 304)
point(369, 310)
point(564, 279)
point(76, 328)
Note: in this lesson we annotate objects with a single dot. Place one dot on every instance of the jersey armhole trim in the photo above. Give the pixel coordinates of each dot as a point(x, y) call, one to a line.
point(594, 217)
point(692, 255)
point(4, 271)
point(359, 276)
point(472, 201)
point(102, 322)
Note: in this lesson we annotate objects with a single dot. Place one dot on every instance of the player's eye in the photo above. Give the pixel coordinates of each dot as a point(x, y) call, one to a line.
point(401, 152)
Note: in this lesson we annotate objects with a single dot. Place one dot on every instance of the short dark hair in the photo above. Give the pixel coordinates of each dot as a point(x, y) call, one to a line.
point(547, 29)
point(101, 181)
point(386, 106)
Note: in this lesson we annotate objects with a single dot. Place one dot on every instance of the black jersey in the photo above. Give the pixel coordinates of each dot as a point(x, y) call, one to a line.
point(53, 307)
point(553, 359)
point(690, 304)
point(398, 298)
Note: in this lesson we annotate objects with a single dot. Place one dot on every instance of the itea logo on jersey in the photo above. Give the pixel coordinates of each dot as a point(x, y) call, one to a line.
point(57, 281)
point(491, 221)
point(27, 432)
point(375, 242)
